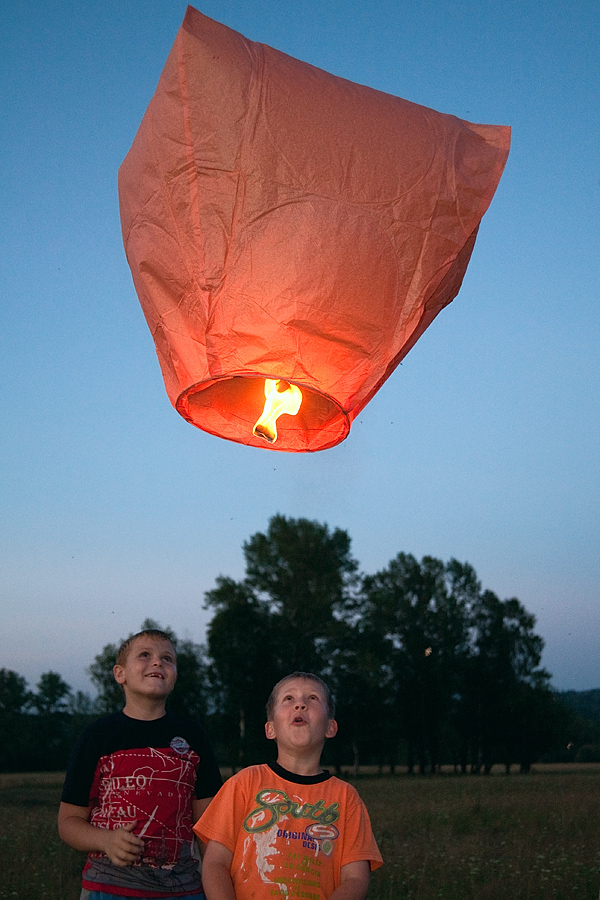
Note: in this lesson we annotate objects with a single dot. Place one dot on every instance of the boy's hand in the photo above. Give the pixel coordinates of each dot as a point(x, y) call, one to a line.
point(122, 847)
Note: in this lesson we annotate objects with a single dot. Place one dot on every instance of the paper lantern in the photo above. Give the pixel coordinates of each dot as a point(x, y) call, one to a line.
point(282, 223)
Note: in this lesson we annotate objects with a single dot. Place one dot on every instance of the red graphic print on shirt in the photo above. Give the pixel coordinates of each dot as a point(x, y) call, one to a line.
point(129, 783)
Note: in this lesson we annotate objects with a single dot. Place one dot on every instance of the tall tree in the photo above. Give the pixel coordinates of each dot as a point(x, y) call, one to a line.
point(423, 662)
point(285, 615)
point(52, 694)
point(15, 700)
point(419, 611)
point(52, 723)
point(304, 574)
point(362, 681)
point(110, 694)
point(14, 696)
point(502, 679)
point(242, 670)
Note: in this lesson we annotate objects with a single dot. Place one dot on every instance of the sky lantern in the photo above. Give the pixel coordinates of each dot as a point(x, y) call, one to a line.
point(292, 234)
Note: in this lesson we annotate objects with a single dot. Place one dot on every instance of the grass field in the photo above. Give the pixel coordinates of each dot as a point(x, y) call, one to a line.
point(446, 837)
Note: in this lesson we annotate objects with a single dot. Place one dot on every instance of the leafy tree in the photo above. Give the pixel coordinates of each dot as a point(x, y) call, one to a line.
point(585, 703)
point(189, 697)
point(304, 575)
point(53, 695)
point(80, 705)
point(362, 682)
point(539, 722)
point(15, 700)
point(110, 694)
point(51, 722)
point(81, 711)
point(285, 615)
point(36, 727)
point(242, 670)
point(579, 737)
point(467, 681)
point(419, 612)
point(503, 677)
point(14, 696)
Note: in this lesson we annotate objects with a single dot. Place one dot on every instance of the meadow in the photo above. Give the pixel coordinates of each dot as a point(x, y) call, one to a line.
point(446, 837)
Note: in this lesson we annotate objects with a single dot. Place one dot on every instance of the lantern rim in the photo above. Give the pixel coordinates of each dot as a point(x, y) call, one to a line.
point(228, 406)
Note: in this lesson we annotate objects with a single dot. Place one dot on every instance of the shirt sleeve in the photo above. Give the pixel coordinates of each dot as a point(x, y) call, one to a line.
point(218, 822)
point(208, 776)
point(81, 770)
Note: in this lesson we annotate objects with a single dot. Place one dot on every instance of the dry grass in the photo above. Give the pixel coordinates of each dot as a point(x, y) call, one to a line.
point(34, 863)
point(529, 837)
point(448, 837)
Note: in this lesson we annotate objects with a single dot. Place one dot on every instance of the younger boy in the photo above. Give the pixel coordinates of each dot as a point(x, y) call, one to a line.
point(136, 782)
point(289, 829)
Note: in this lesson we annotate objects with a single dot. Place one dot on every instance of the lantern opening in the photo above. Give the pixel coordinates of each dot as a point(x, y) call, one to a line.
point(281, 398)
point(231, 407)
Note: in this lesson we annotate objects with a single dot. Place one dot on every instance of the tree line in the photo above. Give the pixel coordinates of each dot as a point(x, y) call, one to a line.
point(427, 667)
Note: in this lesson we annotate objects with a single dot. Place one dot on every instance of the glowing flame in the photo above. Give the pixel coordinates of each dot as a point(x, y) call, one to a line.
point(281, 397)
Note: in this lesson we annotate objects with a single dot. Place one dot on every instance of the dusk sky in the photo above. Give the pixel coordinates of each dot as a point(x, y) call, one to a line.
point(484, 445)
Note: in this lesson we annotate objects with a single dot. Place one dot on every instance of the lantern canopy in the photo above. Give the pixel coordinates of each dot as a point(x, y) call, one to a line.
point(284, 223)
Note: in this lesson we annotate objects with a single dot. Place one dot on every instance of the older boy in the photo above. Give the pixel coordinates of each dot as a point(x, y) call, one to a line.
point(289, 829)
point(136, 782)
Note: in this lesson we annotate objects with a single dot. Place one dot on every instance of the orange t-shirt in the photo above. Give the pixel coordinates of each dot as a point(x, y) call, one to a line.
point(290, 835)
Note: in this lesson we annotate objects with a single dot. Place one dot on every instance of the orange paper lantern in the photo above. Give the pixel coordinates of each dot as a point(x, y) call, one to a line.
point(282, 223)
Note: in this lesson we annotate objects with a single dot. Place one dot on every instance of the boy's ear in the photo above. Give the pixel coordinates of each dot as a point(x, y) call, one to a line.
point(119, 674)
point(332, 729)
point(270, 731)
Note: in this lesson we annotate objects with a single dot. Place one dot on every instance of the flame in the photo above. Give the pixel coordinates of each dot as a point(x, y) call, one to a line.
point(281, 397)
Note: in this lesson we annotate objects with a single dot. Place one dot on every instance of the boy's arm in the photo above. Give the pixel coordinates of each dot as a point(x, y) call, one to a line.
point(216, 877)
point(354, 881)
point(198, 807)
point(121, 846)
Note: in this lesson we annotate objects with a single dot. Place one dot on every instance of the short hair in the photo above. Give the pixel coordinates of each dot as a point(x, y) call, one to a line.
point(154, 633)
point(309, 677)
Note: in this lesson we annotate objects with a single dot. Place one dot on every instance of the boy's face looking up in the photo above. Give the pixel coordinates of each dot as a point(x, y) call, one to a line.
point(149, 669)
point(300, 718)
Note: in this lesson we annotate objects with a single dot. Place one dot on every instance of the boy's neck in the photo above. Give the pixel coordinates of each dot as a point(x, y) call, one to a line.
point(300, 764)
point(144, 709)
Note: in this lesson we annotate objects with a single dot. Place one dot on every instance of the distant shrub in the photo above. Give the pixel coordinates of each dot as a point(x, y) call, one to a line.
point(589, 753)
point(564, 755)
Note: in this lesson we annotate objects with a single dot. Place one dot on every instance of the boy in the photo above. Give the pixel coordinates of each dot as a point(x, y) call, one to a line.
point(289, 829)
point(136, 782)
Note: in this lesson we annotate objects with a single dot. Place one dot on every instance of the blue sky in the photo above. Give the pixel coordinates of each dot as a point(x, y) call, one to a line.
point(484, 445)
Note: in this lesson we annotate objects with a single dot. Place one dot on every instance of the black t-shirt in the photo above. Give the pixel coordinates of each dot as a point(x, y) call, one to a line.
point(120, 732)
point(144, 771)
